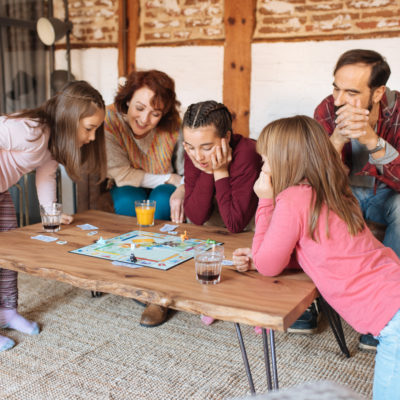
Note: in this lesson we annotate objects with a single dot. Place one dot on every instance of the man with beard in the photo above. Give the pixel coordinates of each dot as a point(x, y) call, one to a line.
point(362, 117)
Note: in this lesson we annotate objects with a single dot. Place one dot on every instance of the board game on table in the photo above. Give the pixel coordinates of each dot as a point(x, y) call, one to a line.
point(155, 250)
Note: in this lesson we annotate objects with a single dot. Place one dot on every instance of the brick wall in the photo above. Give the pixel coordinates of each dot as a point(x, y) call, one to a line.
point(329, 19)
point(95, 22)
point(166, 21)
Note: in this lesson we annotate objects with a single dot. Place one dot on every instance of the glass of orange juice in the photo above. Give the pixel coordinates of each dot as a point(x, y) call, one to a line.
point(145, 212)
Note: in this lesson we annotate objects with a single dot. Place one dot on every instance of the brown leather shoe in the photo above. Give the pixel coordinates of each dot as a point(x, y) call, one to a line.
point(153, 315)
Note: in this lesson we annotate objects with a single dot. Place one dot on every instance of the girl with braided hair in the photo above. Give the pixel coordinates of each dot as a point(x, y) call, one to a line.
point(67, 129)
point(220, 168)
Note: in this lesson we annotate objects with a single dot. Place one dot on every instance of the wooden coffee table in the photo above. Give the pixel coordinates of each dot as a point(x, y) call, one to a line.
point(248, 298)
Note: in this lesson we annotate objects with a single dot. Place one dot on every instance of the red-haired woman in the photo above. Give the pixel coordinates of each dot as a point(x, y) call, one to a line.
point(142, 132)
point(144, 155)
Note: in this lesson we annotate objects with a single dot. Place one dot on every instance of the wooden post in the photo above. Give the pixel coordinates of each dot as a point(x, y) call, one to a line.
point(239, 27)
point(128, 19)
point(122, 40)
point(133, 32)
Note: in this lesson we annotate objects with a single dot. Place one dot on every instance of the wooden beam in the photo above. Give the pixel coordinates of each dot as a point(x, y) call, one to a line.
point(128, 33)
point(133, 24)
point(122, 43)
point(239, 26)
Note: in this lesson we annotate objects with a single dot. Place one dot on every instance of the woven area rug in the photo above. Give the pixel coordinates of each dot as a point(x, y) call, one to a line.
point(94, 348)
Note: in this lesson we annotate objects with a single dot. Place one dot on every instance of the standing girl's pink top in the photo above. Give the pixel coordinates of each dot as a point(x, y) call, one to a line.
point(24, 148)
point(357, 275)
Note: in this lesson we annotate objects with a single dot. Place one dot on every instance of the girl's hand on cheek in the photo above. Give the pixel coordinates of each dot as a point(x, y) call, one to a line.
point(263, 186)
point(216, 158)
point(221, 159)
point(222, 156)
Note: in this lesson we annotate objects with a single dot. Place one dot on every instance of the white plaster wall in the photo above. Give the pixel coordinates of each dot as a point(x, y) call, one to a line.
point(98, 66)
point(293, 78)
point(197, 70)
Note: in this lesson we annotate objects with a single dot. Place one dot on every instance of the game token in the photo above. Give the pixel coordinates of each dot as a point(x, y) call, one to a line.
point(101, 240)
point(184, 236)
point(210, 241)
point(132, 256)
point(61, 242)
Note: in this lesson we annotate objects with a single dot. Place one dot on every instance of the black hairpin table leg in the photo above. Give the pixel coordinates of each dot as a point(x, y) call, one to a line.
point(266, 359)
point(270, 361)
point(335, 323)
point(269, 358)
point(245, 359)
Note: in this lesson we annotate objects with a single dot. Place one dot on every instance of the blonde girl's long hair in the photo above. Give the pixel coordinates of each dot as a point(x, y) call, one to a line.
point(61, 114)
point(299, 151)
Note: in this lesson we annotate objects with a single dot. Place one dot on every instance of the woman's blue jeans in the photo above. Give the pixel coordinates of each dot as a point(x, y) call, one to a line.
point(387, 362)
point(124, 198)
point(382, 207)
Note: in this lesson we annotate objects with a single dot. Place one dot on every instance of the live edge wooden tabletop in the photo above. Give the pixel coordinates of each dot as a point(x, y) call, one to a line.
point(247, 298)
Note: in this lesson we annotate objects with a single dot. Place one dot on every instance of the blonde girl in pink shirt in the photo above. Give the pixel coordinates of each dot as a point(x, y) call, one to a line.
point(67, 129)
point(307, 216)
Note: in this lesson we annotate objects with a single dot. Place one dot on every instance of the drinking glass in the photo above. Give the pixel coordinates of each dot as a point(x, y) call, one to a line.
point(145, 210)
point(51, 216)
point(208, 265)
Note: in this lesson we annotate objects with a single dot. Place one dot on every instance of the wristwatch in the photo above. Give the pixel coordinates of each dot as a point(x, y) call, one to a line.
point(379, 146)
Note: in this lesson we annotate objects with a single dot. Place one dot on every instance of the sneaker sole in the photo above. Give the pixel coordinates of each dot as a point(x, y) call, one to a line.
point(366, 347)
point(304, 331)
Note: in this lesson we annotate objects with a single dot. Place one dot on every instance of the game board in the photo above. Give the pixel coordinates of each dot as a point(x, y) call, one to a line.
point(155, 250)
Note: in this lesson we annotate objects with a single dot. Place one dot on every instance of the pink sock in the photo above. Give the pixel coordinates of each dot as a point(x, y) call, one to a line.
point(9, 318)
point(258, 330)
point(6, 343)
point(207, 320)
